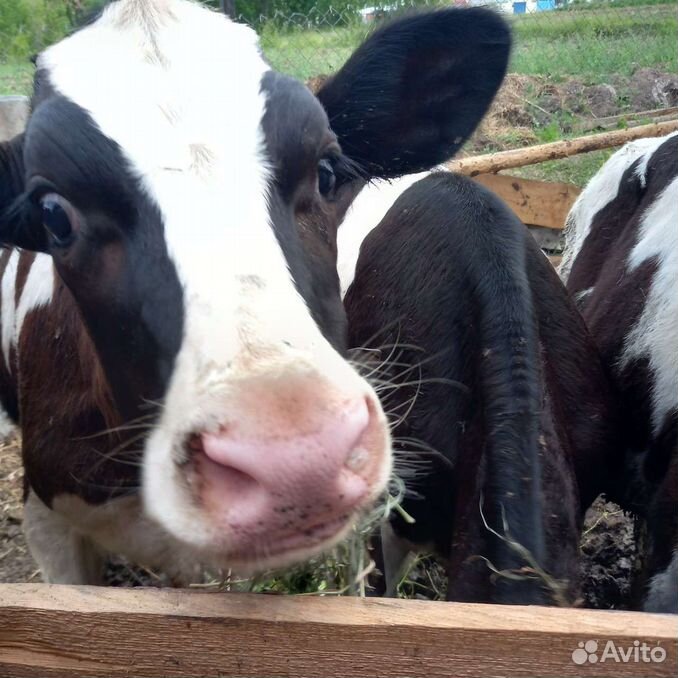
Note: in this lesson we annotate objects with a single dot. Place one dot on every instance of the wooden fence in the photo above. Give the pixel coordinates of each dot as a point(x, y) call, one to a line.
point(545, 204)
point(71, 632)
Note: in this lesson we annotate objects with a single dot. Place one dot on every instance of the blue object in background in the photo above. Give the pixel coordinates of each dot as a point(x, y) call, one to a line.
point(545, 5)
point(519, 7)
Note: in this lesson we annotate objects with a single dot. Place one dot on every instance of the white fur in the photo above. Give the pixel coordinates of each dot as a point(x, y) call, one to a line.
point(37, 291)
point(7, 426)
point(70, 542)
point(178, 88)
point(600, 191)
point(581, 296)
point(368, 209)
point(9, 306)
point(63, 554)
point(656, 333)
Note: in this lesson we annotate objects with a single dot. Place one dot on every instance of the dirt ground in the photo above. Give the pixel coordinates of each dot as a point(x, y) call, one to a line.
point(608, 549)
point(16, 564)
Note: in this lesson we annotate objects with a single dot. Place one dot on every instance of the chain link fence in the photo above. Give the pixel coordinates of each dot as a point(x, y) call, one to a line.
point(593, 39)
point(589, 40)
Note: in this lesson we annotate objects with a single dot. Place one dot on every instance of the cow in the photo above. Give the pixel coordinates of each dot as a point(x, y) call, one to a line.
point(173, 336)
point(503, 420)
point(621, 265)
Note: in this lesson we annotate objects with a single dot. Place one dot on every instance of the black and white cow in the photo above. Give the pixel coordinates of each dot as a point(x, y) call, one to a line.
point(621, 264)
point(502, 413)
point(173, 336)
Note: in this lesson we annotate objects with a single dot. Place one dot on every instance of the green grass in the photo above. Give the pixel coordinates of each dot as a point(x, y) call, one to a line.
point(307, 53)
point(575, 170)
point(591, 45)
point(598, 43)
point(15, 78)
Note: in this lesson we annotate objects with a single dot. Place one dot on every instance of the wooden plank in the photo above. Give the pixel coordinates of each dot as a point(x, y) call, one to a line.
point(496, 162)
point(59, 631)
point(541, 203)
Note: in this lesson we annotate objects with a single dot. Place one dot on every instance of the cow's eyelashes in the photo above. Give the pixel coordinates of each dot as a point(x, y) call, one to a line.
point(327, 179)
point(59, 218)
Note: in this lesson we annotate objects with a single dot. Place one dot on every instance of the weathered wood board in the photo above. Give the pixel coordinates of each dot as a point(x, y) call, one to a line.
point(68, 632)
point(540, 203)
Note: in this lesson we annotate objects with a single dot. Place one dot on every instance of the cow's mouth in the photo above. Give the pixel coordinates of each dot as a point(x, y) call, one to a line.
point(278, 552)
point(265, 534)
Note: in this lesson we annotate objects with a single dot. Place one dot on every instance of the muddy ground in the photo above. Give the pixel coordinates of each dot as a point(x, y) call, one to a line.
point(608, 549)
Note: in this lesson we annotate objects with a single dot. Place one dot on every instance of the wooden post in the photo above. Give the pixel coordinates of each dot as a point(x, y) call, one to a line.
point(495, 162)
point(69, 632)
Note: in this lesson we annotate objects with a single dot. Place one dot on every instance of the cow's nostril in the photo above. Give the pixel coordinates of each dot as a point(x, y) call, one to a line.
point(194, 443)
point(357, 458)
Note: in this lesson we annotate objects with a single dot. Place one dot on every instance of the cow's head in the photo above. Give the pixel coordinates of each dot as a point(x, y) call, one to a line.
point(190, 198)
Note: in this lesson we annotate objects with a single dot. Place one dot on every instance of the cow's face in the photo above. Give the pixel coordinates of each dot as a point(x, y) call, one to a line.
point(190, 198)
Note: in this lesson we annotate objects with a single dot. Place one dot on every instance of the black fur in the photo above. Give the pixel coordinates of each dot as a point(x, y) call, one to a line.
point(411, 95)
point(647, 484)
point(502, 379)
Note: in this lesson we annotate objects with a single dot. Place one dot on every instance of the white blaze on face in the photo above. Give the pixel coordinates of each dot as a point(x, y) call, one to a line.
point(185, 106)
point(178, 88)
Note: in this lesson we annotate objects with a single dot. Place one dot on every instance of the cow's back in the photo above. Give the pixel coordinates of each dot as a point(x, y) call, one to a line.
point(438, 286)
point(625, 276)
point(622, 267)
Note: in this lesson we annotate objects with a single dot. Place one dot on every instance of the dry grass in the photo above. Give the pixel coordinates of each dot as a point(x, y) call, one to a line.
point(16, 563)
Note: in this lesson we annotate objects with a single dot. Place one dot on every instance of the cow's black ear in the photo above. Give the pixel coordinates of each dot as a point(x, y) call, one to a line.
point(415, 90)
point(16, 227)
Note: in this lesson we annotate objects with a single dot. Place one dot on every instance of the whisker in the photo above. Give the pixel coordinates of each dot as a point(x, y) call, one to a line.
point(112, 455)
point(133, 425)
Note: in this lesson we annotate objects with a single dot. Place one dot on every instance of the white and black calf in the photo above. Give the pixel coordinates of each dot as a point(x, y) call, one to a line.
point(173, 335)
point(621, 264)
point(503, 416)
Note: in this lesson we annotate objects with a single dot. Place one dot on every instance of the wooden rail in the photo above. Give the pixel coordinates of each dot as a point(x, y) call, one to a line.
point(68, 632)
point(496, 162)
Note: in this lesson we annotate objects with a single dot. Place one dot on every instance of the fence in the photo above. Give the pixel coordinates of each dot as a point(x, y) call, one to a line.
point(595, 41)
point(66, 632)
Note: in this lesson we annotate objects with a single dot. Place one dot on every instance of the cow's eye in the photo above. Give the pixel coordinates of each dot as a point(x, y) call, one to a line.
point(326, 178)
point(58, 217)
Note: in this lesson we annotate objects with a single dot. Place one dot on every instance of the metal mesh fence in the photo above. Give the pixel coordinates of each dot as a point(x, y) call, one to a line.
point(594, 41)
